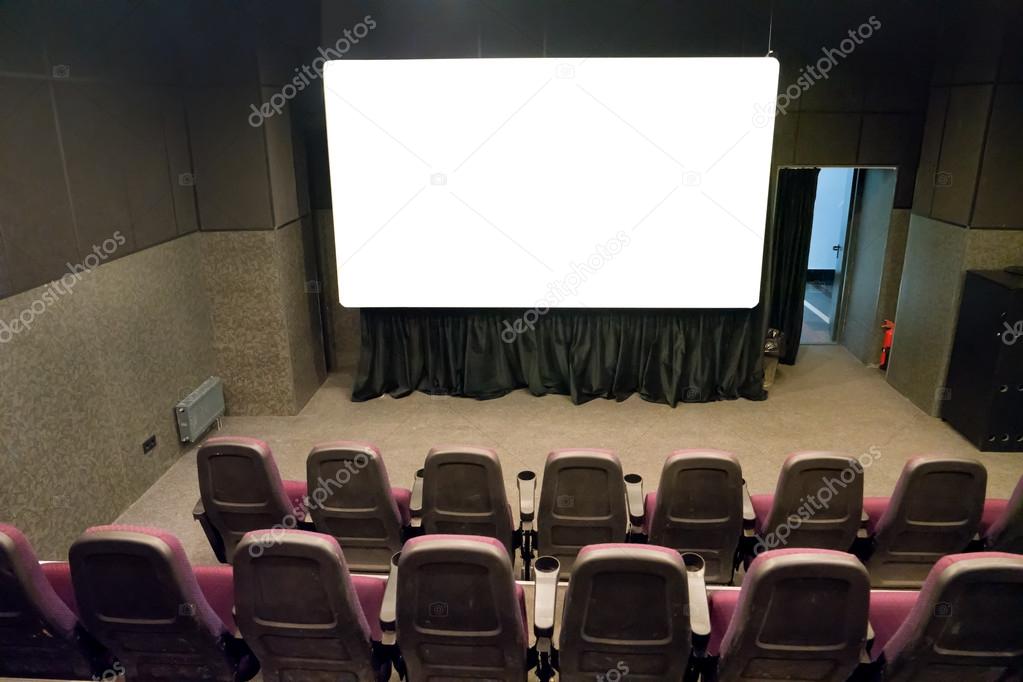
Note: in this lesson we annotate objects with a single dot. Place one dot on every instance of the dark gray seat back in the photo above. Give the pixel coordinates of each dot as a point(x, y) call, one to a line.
point(241, 488)
point(582, 502)
point(801, 615)
point(699, 509)
point(965, 625)
point(40, 636)
point(626, 612)
point(298, 609)
point(460, 614)
point(350, 498)
point(137, 593)
point(934, 511)
point(464, 494)
point(818, 502)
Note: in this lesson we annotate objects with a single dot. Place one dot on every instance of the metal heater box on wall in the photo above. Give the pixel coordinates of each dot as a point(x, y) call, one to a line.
point(197, 412)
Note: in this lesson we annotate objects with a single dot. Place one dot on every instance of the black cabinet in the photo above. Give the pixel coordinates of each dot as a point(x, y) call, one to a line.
point(984, 397)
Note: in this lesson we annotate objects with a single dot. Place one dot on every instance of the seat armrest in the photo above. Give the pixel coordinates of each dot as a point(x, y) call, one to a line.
point(415, 505)
point(749, 515)
point(634, 498)
point(545, 597)
point(212, 534)
point(526, 481)
point(389, 605)
point(699, 609)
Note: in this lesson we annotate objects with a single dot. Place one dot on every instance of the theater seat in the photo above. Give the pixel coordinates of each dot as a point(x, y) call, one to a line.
point(464, 494)
point(241, 490)
point(302, 612)
point(698, 508)
point(582, 502)
point(817, 503)
point(801, 615)
point(964, 624)
point(1001, 523)
point(139, 595)
point(626, 610)
point(40, 634)
point(351, 498)
point(460, 614)
point(935, 510)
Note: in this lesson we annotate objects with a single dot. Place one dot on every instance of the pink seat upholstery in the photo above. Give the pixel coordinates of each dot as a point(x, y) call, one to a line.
point(402, 498)
point(303, 613)
point(296, 492)
point(888, 610)
point(761, 507)
point(875, 508)
point(140, 596)
point(217, 585)
point(801, 614)
point(963, 624)
point(993, 510)
point(934, 510)
point(722, 608)
point(41, 633)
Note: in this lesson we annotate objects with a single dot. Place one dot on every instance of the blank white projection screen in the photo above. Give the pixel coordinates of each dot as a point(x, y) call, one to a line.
point(571, 183)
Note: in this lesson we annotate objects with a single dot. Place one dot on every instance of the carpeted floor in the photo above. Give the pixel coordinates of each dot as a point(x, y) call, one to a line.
point(828, 401)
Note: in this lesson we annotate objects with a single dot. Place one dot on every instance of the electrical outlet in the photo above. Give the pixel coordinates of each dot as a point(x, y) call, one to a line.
point(149, 445)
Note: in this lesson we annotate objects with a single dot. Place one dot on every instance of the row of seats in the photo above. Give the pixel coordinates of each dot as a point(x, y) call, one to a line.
point(128, 602)
point(701, 505)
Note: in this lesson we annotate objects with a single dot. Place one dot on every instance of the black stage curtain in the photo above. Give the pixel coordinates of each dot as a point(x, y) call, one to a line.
point(667, 356)
point(797, 191)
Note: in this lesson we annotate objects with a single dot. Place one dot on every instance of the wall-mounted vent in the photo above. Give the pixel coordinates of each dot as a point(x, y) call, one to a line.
point(203, 406)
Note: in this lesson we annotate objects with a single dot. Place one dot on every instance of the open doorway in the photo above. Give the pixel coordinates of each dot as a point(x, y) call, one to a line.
point(837, 254)
point(824, 264)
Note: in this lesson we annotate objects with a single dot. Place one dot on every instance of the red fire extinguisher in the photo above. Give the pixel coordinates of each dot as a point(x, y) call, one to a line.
point(886, 348)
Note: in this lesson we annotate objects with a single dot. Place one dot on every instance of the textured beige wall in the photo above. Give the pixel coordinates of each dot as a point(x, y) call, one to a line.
point(937, 257)
point(96, 374)
point(265, 335)
point(239, 269)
